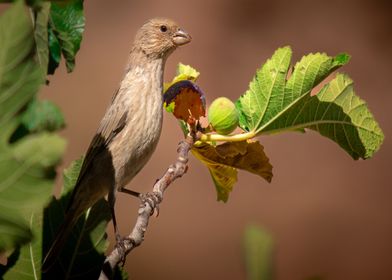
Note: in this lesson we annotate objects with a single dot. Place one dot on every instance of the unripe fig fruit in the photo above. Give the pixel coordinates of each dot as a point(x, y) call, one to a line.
point(223, 115)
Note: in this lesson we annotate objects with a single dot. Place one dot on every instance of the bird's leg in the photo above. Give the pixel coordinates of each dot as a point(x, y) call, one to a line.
point(145, 198)
point(130, 192)
point(112, 200)
point(149, 198)
point(119, 240)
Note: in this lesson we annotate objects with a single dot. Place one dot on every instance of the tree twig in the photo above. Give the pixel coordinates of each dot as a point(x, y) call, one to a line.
point(146, 209)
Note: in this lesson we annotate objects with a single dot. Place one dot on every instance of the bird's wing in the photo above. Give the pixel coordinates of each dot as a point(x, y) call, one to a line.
point(112, 124)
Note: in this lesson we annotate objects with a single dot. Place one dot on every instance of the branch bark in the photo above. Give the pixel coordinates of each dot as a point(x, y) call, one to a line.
point(152, 201)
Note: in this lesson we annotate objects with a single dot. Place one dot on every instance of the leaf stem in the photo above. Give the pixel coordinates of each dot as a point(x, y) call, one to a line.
point(226, 138)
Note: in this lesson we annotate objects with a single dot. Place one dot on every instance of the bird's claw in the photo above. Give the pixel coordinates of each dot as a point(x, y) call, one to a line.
point(120, 246)
point(152, 200)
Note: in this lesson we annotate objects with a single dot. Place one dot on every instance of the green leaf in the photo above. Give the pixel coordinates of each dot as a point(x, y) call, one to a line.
point(43, 150)
point(54, 51)
point(27, 165)
point(84, 249)
point(27, 169)
point(184, 72)
point(66, 28)
point(26, 173)
point(70, 176)
point(20, 76)
point(43, 116)
point(88, 240)
point(337, 113)
point(19, 80)
point(41, 35)
point(269, 94)
point(273, 104)
point(258, 254)
point(27, 260)
point(223, 161)
point(13, 232)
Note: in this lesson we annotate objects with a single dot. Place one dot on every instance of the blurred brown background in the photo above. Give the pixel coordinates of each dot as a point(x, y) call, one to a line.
point(329, 215)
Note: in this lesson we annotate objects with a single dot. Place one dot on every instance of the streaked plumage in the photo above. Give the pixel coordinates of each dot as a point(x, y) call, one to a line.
point(130, 129)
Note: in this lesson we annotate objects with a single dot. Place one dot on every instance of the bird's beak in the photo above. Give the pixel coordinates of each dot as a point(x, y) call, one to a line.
point(181, 37)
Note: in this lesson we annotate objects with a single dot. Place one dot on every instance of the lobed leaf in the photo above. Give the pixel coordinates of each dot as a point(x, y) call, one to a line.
point(273, 104)
point(269, 94)
point(224, 160)
point(66, 28)
point(337, 113)
point(84, 249)
point(268, 81)
point(26, 188)
point(26, 166)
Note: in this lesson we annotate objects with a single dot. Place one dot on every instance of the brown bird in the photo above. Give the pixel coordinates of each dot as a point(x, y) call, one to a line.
point(129, 131)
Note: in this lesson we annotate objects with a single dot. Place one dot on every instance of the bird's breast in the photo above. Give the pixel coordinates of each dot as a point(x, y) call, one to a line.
point(138, 139)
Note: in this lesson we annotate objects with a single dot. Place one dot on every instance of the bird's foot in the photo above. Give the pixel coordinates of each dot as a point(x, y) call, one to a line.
point(152, 200)
point(121, 249)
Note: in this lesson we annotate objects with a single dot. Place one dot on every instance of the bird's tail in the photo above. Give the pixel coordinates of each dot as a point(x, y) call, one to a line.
point(62, 235)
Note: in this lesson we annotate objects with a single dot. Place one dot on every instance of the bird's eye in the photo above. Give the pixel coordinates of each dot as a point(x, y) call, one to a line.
point(163, 28)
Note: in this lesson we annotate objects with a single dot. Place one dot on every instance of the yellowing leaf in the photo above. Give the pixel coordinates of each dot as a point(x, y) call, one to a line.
point(187, 70)
point(224, 178)
point(224, 160)
point(184, 72)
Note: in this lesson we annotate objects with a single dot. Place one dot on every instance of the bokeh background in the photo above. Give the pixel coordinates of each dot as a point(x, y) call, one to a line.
point(330, 216)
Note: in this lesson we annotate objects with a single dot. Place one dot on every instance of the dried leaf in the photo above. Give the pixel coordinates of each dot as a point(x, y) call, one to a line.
point(224, 160)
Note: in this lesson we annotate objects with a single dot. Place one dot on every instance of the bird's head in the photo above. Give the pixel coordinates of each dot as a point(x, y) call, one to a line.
point(158, 37)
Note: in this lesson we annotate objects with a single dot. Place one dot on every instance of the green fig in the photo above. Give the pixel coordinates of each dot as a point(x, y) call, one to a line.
point(223, 115)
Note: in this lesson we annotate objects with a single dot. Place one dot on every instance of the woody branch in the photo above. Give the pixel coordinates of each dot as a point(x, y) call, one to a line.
point(152, 201)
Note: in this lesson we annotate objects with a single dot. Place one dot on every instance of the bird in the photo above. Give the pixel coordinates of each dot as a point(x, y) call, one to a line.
point(129, 131)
